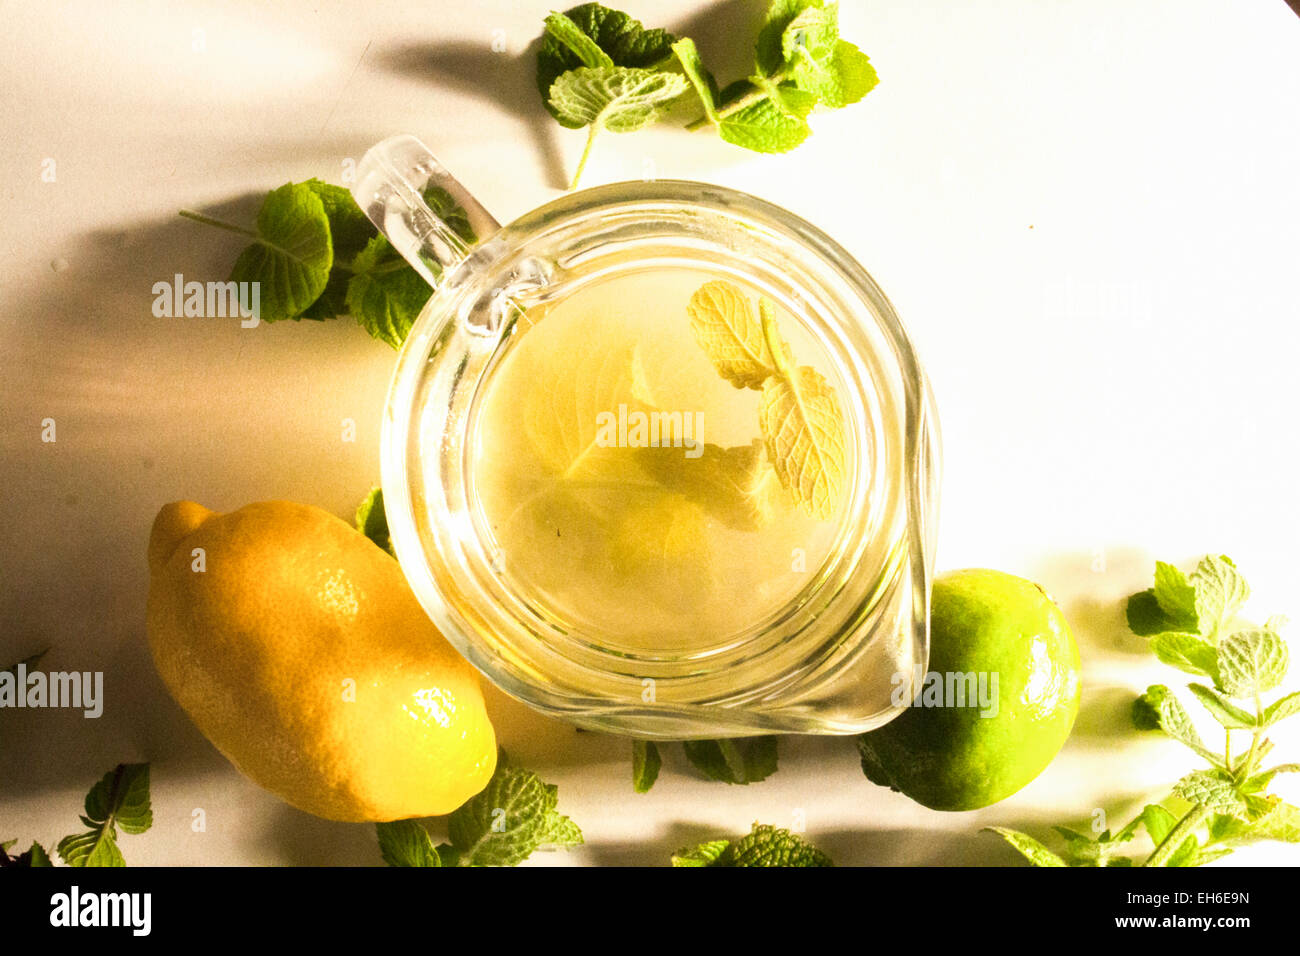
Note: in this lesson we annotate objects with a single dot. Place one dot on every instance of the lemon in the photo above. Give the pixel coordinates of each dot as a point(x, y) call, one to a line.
point(299, 650)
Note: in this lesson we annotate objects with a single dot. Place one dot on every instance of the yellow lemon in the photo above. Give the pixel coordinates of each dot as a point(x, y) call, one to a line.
point(299, 650)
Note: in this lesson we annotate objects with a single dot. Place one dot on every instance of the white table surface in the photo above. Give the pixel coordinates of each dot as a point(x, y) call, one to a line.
point(1087, 213)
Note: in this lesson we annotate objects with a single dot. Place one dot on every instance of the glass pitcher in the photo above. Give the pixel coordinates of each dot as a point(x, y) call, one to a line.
point(678, 588)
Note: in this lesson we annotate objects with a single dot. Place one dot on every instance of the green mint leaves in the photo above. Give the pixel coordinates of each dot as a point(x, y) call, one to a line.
point(800, 63)
point(406, 843)
point(1203, 602)
point(291, 255)
point(384, 293)
point(513, 816)
point(741, 761)
point(763, 846)
point(619, 99)
point(646, 762)
point(597, 68)
point(315, 255)
point(1251, 662)
point(1029, 848)
point(594, 36)
point(799, 415)
point(372, 521)
point(1191, 622)
point(120, 799)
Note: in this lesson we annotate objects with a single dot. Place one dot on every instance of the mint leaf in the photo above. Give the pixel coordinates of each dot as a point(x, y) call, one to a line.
point(742, 761)
point(1176, 596)
point(1281, 823)
point(772, 846)
point(1225, 711)
point(512, 817)
point(764, 845)
point(1083, 850)
point(1220, 591)
point(1170, 717)
point(1145, 618)
point(700, 78)
point(34, 857)
point(619, 99)
point(1146, 712)
point(406, 843)
point(769, 56)
point(621, 38)
point(385, 295)
point(333, 301)
point(583, 48)
point(819, 62)
point(1188, 652)
point(121, 798)
point(645, 765)
point(1189, 854)
point(444, 205)
point(702, 854)
point(1158, 821)
point(560, 832)
point(292, 254)
point(1260, 781)
point(775, 124)
point(1251, 662)
point(350, 230)
point(1029, 848)
point(852, 77)
point(1287, 706)
point(372, 521)
point(1210, 788)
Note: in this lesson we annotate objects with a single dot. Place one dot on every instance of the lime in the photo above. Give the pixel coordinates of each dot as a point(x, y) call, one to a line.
point(997, 703)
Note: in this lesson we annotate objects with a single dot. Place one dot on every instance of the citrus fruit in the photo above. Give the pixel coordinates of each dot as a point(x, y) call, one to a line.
point(950, 755)
point(299, 650)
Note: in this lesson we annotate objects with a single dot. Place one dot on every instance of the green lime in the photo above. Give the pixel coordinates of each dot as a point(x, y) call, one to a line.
point(997, 703)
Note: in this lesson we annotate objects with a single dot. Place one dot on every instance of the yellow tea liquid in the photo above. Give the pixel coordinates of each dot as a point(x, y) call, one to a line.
point(624, 483)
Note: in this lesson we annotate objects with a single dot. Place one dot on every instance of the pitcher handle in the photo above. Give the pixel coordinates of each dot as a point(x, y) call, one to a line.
point(394, 186)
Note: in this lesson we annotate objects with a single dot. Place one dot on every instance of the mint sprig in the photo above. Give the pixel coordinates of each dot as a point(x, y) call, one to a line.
point(316, 256)
point(591, 52)
point(119, 799)
point(764, 846)
point(1192, 624)
point(511, 818)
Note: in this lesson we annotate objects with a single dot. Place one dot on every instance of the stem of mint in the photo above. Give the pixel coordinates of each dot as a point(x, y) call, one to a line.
point(218, 223)
point(756, 95)
point(1178, 835)
point(586, 153)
